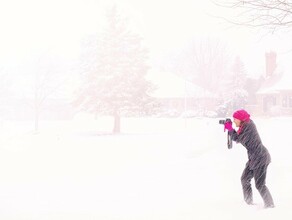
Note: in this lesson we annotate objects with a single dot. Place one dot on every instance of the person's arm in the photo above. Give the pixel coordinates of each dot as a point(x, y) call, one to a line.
point(233, 134)
point(247, 134)
point(231, 131)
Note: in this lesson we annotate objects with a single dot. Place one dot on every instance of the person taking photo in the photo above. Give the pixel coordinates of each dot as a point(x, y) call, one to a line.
point(258, 157)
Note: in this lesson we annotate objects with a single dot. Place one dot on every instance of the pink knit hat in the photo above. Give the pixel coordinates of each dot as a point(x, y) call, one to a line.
point(241, 115)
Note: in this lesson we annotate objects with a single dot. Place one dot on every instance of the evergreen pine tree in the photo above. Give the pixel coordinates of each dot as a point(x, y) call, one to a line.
point(114, 77)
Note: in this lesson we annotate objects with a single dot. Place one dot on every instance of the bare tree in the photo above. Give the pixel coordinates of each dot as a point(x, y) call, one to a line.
point(205, 62)
point(272, 15)
point(208, 60)
point(47, 80)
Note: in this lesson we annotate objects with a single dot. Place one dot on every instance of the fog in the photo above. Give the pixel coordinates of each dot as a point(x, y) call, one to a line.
point(109, 109)
point(47, 45)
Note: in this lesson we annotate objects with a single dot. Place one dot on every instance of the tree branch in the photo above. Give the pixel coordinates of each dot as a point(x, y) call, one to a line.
point(269, 14)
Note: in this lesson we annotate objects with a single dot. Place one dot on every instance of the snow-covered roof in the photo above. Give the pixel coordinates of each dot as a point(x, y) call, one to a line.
point(282, 84)
point(170, 85)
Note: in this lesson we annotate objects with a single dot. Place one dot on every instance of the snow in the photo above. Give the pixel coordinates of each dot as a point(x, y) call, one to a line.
point(283, 84)
point(174, 169)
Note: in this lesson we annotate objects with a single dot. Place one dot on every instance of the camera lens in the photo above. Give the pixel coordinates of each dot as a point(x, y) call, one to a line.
point(221, 121)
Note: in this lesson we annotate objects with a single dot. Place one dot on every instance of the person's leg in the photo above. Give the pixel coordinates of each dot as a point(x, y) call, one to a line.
point(246, 177)
point(260, 183)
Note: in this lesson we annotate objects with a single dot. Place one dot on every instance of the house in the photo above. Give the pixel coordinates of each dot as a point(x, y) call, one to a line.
point(177, 95)
point(277, 98)
point(275, 95)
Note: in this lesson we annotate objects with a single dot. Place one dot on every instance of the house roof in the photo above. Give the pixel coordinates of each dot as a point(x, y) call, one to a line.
point(277, 84)
point(170, 85)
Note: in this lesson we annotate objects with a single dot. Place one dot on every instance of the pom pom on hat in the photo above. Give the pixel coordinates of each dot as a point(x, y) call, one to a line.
point(241, 115)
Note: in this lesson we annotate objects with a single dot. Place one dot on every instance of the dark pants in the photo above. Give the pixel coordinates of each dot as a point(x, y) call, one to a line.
point(259, 176)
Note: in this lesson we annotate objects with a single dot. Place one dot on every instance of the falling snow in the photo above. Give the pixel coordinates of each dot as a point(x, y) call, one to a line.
point(156, 169)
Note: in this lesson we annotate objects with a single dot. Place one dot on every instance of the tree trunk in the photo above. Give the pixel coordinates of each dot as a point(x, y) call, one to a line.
point(36, 119)
point(117, 123)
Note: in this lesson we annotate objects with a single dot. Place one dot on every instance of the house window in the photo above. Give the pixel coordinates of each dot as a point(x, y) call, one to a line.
point(284, 101)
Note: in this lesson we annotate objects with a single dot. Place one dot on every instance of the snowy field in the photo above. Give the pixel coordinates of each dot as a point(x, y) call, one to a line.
point(157, 169)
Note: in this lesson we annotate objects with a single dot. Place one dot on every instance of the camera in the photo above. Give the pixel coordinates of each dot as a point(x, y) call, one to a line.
point(229, 139)
point(224, 121)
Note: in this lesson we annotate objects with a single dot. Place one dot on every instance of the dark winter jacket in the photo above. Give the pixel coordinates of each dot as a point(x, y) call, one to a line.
point(248, 136)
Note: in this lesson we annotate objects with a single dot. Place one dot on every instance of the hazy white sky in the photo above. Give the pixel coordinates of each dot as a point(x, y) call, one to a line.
point(34, 25)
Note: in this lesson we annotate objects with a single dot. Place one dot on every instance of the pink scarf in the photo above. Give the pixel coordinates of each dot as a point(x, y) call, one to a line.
point(242, 125)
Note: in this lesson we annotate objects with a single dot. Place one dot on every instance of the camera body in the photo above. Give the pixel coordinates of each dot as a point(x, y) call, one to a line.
point(222, 122)
point(229, 139)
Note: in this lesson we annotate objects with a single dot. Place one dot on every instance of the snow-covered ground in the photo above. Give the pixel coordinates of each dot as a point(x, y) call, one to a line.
point(157, 169)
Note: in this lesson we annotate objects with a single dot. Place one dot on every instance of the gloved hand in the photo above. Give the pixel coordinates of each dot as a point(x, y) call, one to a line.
point(228, 126)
